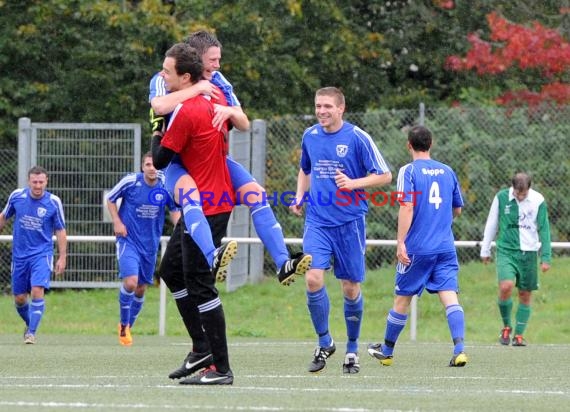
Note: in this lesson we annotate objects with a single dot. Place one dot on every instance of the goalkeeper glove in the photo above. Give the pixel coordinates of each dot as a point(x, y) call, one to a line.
point(156, 122)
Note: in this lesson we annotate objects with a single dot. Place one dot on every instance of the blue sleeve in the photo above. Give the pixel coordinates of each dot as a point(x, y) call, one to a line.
point(9, 210)
point(405, 183)
point(118, 190)
point(58, 217)
point(457, 197)
point(370, 155)
point(157, 87)
point(226, 87)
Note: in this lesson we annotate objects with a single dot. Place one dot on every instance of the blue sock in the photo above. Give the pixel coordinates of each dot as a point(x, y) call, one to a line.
point(136, 306)
point(456, 322)
point(125, 301)
point(24, 312)
point(37, 309)
point(199, 229)
point(319, 307)
point(353, 318)
point(269, 231)
point(395, 323)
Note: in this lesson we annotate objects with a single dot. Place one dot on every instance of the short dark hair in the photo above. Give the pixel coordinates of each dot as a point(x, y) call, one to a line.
point(187, 61)
point(202, 41)
point(144, 156)
point(521, 181)
point(37, 170)
point(420, 138)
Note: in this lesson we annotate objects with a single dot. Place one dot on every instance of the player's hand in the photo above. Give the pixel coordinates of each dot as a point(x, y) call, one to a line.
point(60, 265)
point(402, 254)
point(207, 88)
point(120, 229)
point(544, 267)
point(221, 115)
point(296, 207)
point(485, 259)
point(157, 123)
point(342, 181)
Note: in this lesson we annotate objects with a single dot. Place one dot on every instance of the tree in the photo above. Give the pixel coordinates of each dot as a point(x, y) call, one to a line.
point(527, 53)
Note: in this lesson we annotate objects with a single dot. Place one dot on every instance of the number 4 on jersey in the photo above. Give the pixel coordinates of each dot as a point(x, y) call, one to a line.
point(434, 195)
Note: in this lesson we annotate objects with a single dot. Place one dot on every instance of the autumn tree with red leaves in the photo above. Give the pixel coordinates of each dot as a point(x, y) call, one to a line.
point(513, 46)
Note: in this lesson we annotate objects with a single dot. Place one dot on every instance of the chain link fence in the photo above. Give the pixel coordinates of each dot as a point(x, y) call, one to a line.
point(485, 146)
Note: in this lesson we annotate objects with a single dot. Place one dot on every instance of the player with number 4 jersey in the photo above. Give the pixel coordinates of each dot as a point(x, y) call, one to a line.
point(425, 249)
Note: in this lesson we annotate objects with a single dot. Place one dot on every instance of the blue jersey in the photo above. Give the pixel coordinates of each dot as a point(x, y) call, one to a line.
point(35, 222)
point(142, 210)
point(158, 87)
point(433, 188)
point(350, 150)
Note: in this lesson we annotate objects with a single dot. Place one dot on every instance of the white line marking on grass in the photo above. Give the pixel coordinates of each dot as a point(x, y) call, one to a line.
point(84, 405)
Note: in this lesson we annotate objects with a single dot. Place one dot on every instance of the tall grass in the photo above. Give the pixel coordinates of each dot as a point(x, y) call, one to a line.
point(274, 311)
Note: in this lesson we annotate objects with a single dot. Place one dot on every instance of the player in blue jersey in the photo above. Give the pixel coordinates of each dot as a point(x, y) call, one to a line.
point(38, 215)
point(426, 253)
point(266, 225)
point(137, 224)
point(338, 161)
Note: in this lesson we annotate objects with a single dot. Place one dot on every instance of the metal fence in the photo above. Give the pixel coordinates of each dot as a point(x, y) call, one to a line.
point(484, 146)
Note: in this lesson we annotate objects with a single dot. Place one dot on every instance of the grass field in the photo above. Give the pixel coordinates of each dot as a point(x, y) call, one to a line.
point(67, 372)
point(77, 363)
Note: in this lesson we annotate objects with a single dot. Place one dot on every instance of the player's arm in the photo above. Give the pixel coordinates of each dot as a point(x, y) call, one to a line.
point(456, 211)
point(405, 216)
point(61, 237)
point(167, 103)
point(174, 216)
point(490, 230)
point(344, 182)
point(303, 184)
point(3, 221)
point(161, 156)
point(119, 227)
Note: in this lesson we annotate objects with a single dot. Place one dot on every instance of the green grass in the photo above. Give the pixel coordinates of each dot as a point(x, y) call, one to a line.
point(79, 372)
point(270, 310)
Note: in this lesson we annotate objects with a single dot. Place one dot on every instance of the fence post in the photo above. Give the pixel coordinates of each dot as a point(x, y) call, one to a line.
point(258, 161)
point(24, 150)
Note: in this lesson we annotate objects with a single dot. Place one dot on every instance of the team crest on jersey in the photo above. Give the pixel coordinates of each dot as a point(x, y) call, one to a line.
point(341, 150)
point(41, 211)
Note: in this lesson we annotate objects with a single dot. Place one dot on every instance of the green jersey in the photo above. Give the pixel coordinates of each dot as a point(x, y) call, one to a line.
point(521, 225)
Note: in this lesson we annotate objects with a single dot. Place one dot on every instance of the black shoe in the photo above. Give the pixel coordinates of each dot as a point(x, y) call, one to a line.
point(375, 350)
point(321, 356)
point(222, 258)
point(193, 362)
point(351, 363)
point(296, 266)
point(210, 376)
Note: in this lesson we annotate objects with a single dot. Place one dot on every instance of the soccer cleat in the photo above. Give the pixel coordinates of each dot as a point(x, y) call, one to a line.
point(351, 363)
point(375, 350)
point(193, 362)
point(125, 337)
point(458, 360)
point(505, 337)
point(29, 338)
point(321, 356)
point(222, 258)
point(518, 340)
point(296, 266)
point(210, 376)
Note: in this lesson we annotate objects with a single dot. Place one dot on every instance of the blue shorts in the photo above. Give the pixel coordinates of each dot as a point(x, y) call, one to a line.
point(132, 263)
point(434, 273)
point(172, 173)
point(238, 174)
point(345, 243)
point(32, 271)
